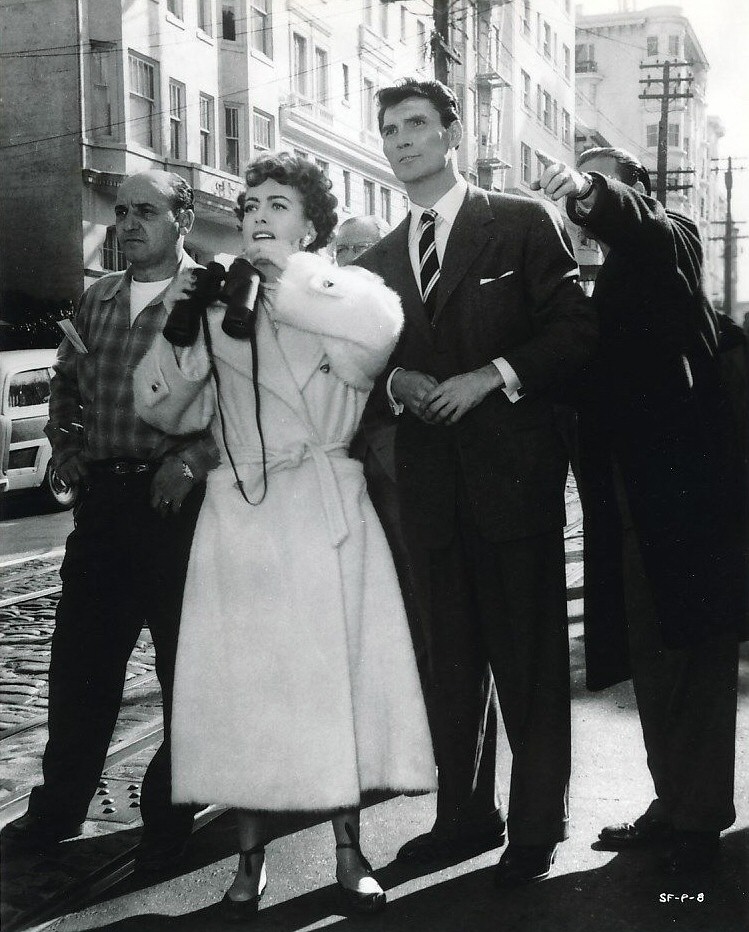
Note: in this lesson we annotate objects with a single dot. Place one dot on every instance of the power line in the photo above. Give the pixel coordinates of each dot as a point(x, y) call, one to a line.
point(228, 96)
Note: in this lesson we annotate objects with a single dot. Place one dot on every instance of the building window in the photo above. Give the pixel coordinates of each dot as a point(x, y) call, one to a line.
point(585, 58)
point(175, 8)
point(228, 22)
point(142, 101)
point(525, 163)
point(347, 189)
point(323, 166)
point(566, 128)
point(262, 130)
point(385, 206)
point(404, 20)
point(539, 103)
point(205, 16)
point(231, 136)
point(206, 130)
point(687, 146)
point(556, 118)
point(674, 46)
point(526, 17)
point(547, 40)
point(674, 133)
point(346, 84)
point(525, 80)
point(421, 41)
point(384, 23)
point(368, 105)
point(547, 110)
point(299, 65)
point(369, 197)
point(112, 257)
point(176, 120)
point(568, 6)
point(261, 34)
point(652, 45)
point(567, 61)
point(321, 76)
point(651, 135)
point(102, 60)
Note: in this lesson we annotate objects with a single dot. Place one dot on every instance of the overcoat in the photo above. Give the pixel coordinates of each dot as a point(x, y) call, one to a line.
point(652, 404)
point(296, 686)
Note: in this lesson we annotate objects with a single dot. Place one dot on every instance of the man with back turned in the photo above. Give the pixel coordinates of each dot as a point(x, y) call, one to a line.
point(660, 484)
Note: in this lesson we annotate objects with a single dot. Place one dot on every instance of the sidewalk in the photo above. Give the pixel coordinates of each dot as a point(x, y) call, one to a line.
point(589, 890)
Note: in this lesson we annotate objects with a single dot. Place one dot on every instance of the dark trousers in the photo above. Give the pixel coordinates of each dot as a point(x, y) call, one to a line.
point(124, 566)
point(686, 699)
point(480, 808)
point(500, 608)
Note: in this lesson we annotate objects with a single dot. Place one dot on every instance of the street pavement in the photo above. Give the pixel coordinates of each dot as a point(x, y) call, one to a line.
point(588, 891)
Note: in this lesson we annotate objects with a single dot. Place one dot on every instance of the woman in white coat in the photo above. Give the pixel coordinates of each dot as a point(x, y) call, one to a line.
point(296, 687)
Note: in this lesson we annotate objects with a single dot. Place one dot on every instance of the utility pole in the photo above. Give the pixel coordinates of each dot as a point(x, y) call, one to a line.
point(728, 247)
point(729, 238)
point(442, 53)
point(665, 97)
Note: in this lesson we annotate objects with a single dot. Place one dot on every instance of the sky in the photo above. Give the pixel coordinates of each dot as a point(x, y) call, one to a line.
point(722, 27)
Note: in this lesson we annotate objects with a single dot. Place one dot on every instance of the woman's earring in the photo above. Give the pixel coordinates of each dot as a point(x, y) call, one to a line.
point(306, 240)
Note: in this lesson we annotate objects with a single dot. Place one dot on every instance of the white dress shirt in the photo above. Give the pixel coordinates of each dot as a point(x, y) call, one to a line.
point(447, 208)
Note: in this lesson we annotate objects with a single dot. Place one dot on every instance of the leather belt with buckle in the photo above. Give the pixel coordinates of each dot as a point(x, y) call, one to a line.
point(122, 467)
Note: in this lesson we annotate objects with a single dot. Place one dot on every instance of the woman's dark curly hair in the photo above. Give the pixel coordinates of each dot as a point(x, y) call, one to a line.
point(318, 204)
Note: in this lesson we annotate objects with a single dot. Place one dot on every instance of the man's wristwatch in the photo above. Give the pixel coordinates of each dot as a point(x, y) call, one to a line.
point(589, 185)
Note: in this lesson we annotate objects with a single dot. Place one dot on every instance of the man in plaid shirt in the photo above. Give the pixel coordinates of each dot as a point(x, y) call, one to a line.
point(125, 562)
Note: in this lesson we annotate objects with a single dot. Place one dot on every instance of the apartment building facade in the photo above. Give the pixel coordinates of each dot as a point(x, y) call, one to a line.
point(610, 52)
point(198, 87)
point(202, 86)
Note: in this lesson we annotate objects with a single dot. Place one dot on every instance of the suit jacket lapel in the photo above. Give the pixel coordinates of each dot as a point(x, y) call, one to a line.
point(469, 235)
point(399, 275)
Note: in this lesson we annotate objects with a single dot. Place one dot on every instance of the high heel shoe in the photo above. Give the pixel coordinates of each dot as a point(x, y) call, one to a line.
point(243, 910)
point(360, 902)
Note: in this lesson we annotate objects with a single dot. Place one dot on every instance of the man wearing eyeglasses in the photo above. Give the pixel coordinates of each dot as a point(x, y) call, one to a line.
point(356, 235)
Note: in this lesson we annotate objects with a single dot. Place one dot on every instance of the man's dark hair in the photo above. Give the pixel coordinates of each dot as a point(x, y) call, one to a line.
point(630, 169)
point(181, 192)
point(318, 204)
point(434, 91)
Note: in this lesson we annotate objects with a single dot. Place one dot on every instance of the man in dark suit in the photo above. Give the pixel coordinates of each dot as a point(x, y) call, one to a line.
point(662, 502)
point(494, 318)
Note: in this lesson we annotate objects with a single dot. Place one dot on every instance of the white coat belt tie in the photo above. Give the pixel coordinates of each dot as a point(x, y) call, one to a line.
point(321, 454)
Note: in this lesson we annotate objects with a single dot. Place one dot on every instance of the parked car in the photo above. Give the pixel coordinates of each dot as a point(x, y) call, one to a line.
point(24, 401)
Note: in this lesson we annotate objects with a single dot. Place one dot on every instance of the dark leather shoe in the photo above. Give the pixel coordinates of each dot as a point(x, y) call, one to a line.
point(235, 911)
point(437, 846)
point(522, 864)
point(642, 833)
point(691, 852)
point(158, 854)
point(32, 831)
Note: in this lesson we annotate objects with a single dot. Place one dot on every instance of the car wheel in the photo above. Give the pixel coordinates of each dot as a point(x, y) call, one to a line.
point(58, 493)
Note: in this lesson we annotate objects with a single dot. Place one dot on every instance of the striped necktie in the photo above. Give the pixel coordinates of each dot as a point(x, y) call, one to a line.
point(429, 264)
